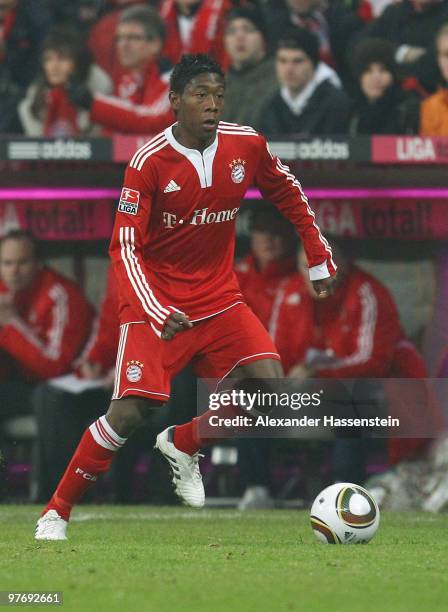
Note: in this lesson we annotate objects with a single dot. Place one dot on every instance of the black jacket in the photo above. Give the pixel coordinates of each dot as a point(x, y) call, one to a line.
point(327, 112)
point(394, 113)
point(342, 26)
point(401, 24)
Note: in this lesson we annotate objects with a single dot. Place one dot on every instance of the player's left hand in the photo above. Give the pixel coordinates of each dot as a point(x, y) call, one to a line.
point(323, 287)
point(176, 322)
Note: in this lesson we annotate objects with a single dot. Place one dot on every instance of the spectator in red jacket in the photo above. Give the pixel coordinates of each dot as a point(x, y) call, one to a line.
point(355, 333)
point(44, 322)
point(62, 416)
point(270, 264)
point(352, 334)
point(140, 103)
point(23, 25)
point(194, 26)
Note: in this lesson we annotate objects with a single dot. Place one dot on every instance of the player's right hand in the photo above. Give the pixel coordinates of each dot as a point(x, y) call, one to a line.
point(176, 322)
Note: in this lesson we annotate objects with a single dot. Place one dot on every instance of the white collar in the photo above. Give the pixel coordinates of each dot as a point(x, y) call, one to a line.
point(202, 162)
point(297, 103)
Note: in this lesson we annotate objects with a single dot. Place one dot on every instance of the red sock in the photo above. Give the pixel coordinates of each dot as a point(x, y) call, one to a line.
point(93, 456)
point(188, 438)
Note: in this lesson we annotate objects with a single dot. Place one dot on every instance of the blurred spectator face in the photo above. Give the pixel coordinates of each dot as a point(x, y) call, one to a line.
point(303, 6)
point(375, 80)
point(184, 6)
point(5, 5)
point(294, 69)
point(442, 55)
point(18, 263)
point(134, 49)
point(58, 67)
point(267, 247)
point(244, 42)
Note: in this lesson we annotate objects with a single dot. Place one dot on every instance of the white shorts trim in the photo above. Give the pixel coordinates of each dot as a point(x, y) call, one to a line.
point(243, 359)
point(117, 397)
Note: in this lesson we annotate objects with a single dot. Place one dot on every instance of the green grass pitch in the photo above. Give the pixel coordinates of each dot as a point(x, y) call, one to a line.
point(174, 559)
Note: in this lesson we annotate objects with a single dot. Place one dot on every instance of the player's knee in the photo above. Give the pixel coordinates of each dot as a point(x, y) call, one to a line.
point(264, 368)
point(126, 415)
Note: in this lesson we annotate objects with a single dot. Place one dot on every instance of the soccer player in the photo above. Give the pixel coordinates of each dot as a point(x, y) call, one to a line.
point(172, 250)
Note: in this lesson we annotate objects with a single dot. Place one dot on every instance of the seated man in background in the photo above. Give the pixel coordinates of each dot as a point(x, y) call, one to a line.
point(62, 415)
point(354, 334)
point(251, 79)
point(310, 100)
point(140, 103)
point(381, 106)
point(44, 322)
point(269, 265)
point(434, 110)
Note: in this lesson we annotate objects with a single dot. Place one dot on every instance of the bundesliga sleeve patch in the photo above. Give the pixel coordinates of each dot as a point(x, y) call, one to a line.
point(129, 200)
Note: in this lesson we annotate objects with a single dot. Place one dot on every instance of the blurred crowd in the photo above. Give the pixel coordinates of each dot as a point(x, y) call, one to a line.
point(293, 67)
point(306, 67)
point(57, 363)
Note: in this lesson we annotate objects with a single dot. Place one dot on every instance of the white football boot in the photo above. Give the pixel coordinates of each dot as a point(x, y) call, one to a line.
point(51, 526)
point(187, 478)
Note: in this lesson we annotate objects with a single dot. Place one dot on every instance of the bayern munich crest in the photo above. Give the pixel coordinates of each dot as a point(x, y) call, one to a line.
point(134, 371)
point(237, 171)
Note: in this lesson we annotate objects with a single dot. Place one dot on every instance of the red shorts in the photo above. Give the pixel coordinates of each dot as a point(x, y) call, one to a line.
point(215, 346)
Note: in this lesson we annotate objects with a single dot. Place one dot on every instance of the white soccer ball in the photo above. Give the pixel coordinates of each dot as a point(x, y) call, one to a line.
point(344, 513)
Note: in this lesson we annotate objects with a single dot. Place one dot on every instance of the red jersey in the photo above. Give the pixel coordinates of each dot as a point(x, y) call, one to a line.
point(140, 103)
point(358, 325)
point(202, 33)
point(53, 323)
point(174, 234)
point(260, 287)
point(103, 342)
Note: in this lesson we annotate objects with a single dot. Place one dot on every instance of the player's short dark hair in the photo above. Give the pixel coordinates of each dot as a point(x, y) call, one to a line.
point(19, 234)
point(148, 18)
point(190, 66)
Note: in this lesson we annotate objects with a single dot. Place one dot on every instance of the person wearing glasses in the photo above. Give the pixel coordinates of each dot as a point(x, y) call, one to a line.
point(140, 101)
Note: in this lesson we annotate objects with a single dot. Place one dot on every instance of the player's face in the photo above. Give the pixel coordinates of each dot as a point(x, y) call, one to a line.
point(244, 42)
point(375, 80)
point(18, 265)
point(442, 55)
point(134, 49)
point(58, 67)
point(199, 107)
point(294, 69)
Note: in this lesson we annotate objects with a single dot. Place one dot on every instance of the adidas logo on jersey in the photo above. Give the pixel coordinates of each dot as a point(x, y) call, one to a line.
point(172, 186)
